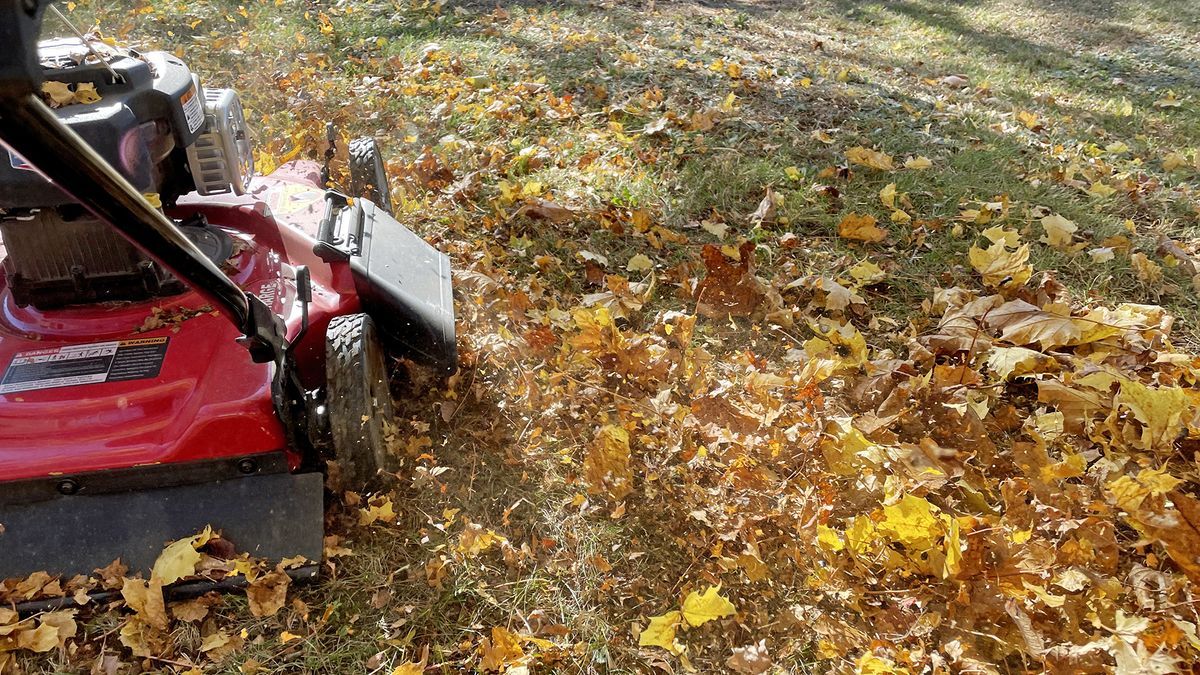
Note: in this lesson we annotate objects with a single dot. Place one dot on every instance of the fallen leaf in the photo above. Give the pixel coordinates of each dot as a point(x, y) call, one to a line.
point(751, 659)
point(607, 464)
point(268, 593)
point(1059, 231)
point(729, 289)
point(918, 163)
point(1000, 267)
point(870, 158)
point(700, 608)
point(661, 633)
point(861, 228)
point(640, 263)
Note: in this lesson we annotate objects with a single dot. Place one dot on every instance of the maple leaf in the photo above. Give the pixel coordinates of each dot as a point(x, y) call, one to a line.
point(146, 599)
point(1059, 231)
point(640, 263)
point(413, 667)
point(501, 650)
point(607, 465)
point(178, 560)
point(1146, 270)
point(919, 163)
point(268, 593)
point(912, 522)
point(1010, 362)
point(870, 158)
point(887, 196)
point(861, 228)
point(1001, 267)
point(729, 289)
point(700, 608)
point(661, 632)
point(1022, 323)
point(1159, 410)
point(751, 659)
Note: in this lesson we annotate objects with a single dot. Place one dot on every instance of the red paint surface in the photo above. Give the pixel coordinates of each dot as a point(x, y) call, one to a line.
point(209, 400)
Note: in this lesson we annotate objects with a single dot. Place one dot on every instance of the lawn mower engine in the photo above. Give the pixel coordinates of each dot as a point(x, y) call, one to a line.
point(162, 132)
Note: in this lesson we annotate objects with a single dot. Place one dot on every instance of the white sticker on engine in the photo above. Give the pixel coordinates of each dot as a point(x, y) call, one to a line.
point(193, 109)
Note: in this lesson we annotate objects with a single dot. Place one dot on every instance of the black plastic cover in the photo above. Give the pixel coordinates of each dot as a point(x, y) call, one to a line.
point(406, 287)
point(138, 123)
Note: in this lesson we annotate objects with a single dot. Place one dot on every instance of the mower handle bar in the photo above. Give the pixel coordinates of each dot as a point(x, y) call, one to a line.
point(31, 129)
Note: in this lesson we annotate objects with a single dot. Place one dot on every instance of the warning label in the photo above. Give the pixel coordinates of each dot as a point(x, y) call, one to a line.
point(115, 361)
point(193, 109)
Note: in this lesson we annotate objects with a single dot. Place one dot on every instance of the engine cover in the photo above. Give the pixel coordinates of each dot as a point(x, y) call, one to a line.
point(142, 123)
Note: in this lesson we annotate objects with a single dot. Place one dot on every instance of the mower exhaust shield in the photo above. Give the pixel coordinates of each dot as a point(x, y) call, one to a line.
point(273, 516)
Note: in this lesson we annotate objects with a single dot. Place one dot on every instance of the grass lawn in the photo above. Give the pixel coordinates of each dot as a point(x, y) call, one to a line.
point(867, 498)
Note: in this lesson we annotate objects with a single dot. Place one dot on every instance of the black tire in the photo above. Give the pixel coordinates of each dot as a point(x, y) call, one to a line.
point(368, 177)
point(358, 400)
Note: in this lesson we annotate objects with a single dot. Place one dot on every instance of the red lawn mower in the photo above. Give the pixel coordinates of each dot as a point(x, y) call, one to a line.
point(192, 362)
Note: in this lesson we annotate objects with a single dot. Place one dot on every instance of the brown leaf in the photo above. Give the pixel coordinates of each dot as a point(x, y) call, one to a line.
point(751, 659)
point(729, 289)
point(1022, 323)
point(861, 228)
point(606, 465)
point(268, 593)
point(545, 209)
point(146, 598)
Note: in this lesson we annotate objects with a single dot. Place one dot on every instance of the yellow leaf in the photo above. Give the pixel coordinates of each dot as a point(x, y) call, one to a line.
point(379, 509)
point(952, 565)
point(40, 639)
point(919, 163)
point(1146, 270)
point(661, 633)
point(286, 637)
point(59, 92)
point(870, 158)
point(1010, 362)
point(1125, 109)
point(861, 536)
point(700, 608)
point(1059, 231)
point(867, 272)
point(829, 539)
point(1001, 267)
point(1159, 410)
point(178, 559)
point(1027, 118)
point(413, 667)
point(1023, 323)
point(861, 228)
point(911, 522)
point(640, 263)
point(901, 217)
point(1173, 161)
point(85, 92)
point(1168, 101)
point(793, 173)
point(997, 234)
point(888, 195)
point(1101, 190)
point(502, 649)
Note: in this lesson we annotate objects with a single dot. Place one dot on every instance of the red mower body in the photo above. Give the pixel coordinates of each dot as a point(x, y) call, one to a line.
point(95, 387)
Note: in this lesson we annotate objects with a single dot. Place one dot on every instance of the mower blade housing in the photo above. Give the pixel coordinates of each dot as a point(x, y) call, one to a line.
point(273, 516)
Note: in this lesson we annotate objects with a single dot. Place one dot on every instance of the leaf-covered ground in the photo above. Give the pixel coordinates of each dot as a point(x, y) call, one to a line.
point(797, 337)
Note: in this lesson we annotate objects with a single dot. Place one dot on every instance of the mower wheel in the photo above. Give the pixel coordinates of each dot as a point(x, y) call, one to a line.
point(358, 400)
point(368, 177)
